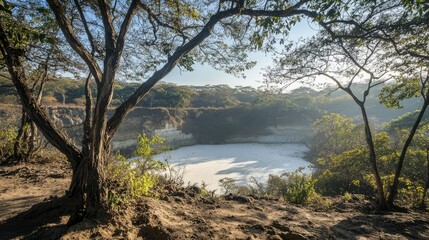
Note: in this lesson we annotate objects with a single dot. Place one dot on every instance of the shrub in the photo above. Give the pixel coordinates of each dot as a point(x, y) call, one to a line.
point(276, 185)
point(126, 181)
point(228, 185)
point(320, 203)
point(130, 179)
point(7, 141)
point(49, 100)
point(410, 193)
point(299, 187)
point(147, 148)
point(343, 173)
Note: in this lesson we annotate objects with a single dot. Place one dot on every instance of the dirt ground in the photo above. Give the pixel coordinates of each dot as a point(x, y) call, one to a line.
point(26, 184)
point(185, 214)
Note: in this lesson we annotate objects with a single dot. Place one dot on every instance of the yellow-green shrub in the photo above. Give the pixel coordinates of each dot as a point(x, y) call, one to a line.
point(7, 141)
point(129, 179)
point(299, 187)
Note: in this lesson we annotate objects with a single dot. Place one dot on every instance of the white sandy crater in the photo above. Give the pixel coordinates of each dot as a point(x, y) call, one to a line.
point(210, 163)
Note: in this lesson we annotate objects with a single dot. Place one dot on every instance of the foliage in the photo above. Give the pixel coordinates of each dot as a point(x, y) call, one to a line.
point(130, 179)
point(405, 121)
point(126, 182)
point(346, 171)
point(405, 88)
point(320, 203)
point(147, 148)
point(332, 136)
point(299, 187)
point(7, 141)
point(294, 187)
point(228, 185)
point(276, 185)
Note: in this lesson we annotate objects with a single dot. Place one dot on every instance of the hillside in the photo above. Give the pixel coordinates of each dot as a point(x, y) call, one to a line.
point(71, 92)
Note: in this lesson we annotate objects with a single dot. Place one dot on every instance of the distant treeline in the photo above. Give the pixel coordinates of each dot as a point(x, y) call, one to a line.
point(67, 91)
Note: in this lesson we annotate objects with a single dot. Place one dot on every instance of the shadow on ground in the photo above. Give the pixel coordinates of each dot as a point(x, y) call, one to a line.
point(388, 226)
point(46, 220)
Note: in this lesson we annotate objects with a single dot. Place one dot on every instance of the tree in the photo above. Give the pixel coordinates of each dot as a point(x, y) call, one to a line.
point(332, 136)
point(403, 35)
point(343, 63)
point(393, 25)
point(43, 57)
point(408, 38)
point(138, 37)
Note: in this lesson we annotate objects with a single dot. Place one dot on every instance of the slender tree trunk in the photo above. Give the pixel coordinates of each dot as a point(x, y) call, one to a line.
point(382, 203)
point(18, 148)
point(394, 187)
point(423, 203)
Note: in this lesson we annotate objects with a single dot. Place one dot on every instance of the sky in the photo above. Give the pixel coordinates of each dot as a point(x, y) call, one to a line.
point(206, 75)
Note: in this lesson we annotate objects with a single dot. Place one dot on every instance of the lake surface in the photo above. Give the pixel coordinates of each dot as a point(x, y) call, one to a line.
point(210, 163)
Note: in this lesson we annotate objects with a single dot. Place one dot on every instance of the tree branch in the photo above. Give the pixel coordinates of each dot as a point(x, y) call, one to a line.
point(85, 25)
point(123, 110)
point(124, 27)
point(66, 28)
point(109, 30)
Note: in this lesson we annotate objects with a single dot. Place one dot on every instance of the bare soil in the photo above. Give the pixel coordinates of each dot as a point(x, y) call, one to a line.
point(185, 214)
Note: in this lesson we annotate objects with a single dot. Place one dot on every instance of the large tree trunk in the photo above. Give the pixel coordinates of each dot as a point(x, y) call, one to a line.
point(395, 184)
point(88, 186)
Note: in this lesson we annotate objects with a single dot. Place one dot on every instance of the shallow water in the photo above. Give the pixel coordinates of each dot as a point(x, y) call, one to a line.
point(210, 163)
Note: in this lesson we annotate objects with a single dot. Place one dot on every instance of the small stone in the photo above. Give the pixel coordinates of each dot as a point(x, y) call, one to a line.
point(276, 237)
point(293, 236)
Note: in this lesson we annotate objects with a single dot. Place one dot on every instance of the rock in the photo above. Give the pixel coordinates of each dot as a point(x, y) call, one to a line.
point(276, 237)
point(280, 227)
point(165, 198)
point(199, 220)
point(237, 198)
point(179, 194)
point(292, 236)
point(258, 227)
point(208, 201)
point(56, 175)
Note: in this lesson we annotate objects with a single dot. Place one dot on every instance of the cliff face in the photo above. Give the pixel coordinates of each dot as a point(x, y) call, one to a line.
point(183, 127)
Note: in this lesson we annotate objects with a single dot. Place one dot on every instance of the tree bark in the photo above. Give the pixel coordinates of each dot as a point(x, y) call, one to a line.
point(423, 202)
point(399, 166)
point(382, 203)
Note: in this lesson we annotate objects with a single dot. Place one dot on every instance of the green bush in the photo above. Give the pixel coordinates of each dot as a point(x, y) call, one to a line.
point(130, 179)
point(147, 148)
point(276, 185)
point(410, 193)
point(7, 141)
point(299, 187)
point(320, 203)
point(294, 187)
